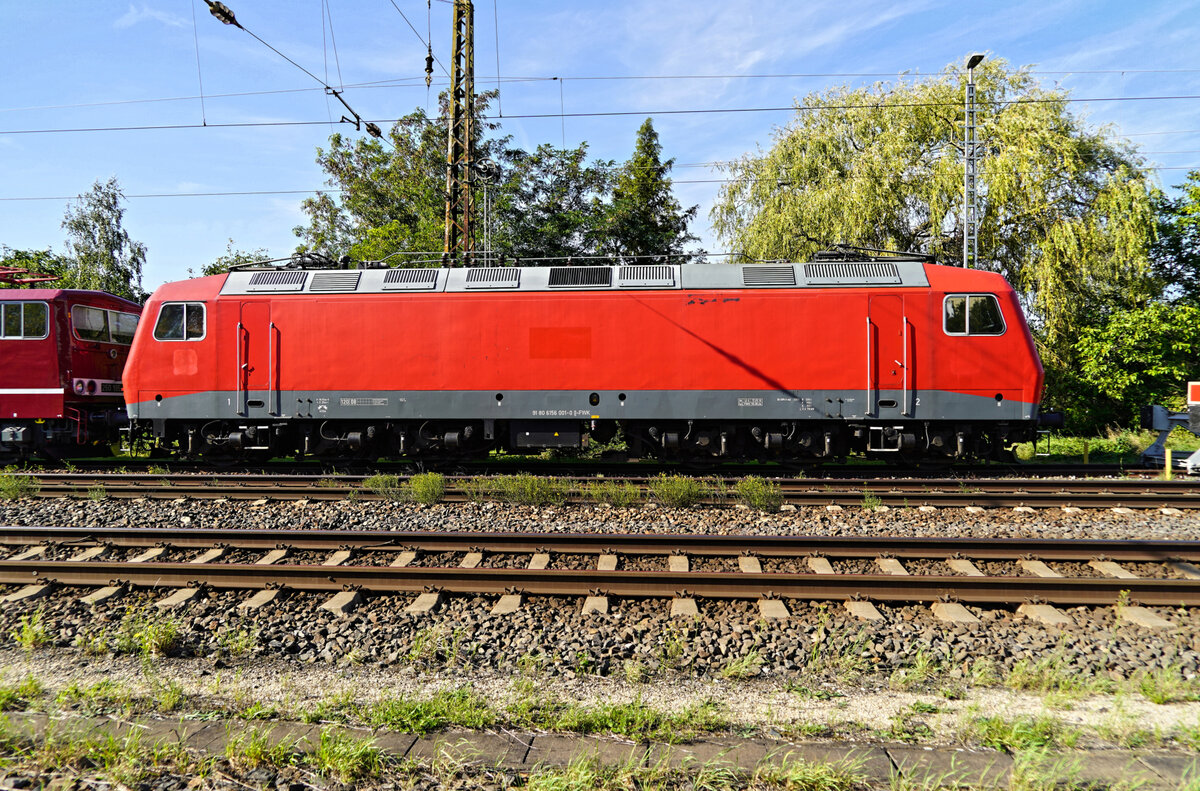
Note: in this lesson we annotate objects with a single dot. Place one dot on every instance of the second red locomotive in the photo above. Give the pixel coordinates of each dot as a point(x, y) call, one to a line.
point(60, 382)
point(800, 361)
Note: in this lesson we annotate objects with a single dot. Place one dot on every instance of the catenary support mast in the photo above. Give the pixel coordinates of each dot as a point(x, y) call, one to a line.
point(460, 146)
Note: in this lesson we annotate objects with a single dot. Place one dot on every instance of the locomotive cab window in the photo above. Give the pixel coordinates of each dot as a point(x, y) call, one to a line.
point(972, 314)
point(26, 320)
point(103, 326)
point(180, 321)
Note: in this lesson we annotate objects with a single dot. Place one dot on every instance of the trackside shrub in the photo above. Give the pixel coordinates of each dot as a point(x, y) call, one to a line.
point(759, 493)
point(428, 487)
point(677, 491)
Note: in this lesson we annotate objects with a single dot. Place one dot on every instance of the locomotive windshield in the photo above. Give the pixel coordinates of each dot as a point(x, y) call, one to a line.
point(103, 326)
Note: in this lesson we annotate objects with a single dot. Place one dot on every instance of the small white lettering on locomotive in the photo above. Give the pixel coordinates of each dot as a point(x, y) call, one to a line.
point(560, 413)
point(750, 402)
point(364, 402)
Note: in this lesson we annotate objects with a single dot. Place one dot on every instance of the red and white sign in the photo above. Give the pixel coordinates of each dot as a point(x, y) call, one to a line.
point(1193, 393)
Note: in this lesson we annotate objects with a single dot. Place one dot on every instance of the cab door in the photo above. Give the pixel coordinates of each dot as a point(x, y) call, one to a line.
point(258, 364)
point(889, 358)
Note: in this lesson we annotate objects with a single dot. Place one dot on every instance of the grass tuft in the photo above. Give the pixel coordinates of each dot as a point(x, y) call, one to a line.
point(17, 487)
point(30, 632)
point(345, 758)
point(15, 697)
point(618, 495)
point(462, 707)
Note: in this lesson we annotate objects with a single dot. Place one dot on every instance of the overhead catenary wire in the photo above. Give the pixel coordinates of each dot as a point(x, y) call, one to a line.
point(418, 35)
point(199, 72)
point(619, 113)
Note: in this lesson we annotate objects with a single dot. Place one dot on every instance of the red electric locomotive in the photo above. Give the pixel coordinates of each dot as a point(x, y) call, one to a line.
point(793, 361)
point(60, 381)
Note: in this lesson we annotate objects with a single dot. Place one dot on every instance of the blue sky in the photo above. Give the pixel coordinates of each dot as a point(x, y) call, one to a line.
point(70, 64)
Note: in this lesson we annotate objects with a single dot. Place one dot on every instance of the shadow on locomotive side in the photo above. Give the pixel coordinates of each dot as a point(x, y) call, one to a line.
point(887, 356)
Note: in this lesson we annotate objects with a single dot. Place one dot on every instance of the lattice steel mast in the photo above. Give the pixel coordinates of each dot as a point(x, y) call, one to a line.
point(970, 194)
point(460, 148)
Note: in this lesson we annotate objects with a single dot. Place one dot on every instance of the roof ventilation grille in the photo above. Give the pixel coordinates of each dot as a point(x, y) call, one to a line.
point(277, 281)
point(860, 273)
point(580, 277)
point(759, 275)
point(410, 279)
point(646, 275)
point(335, 281)
point(494, 277)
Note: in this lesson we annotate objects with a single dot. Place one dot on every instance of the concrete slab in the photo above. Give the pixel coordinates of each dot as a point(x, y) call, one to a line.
point(1071, 509)
point(397, 744)
point(208, 556)
point(338, 558)
point(606, 563)
point(748, 564)
point(819, 565)
point(30, 553)
point(1120, 509)
point(28, 593)
point(492, 749)
point(974, 509)
point(556, 750)
point(1110, 568)
point(964, 567)
point(1144, 617)
point(150, 554)
point(260, 599)
point(595, 604)
point(342, 603)
point(1046, 614)
point(927, 509)
point(101, 595)
point(773, 609)
point(1024, 509)
point(1104, 767)
point(405, 558)
point(863, 610)
point(833, 508)
point(937, 768)
point(678, 564)
point(684, 608)
point(540, 560)
point(1037, 568)
point(1173, 769)
point(507, 604)
point(871, 760)
point(471, 560)
point(88, 554)
point(1186, 570)
point(891, 566)
point(425, 604)
point(177, 599)
point(952, 612)
point(272, 557)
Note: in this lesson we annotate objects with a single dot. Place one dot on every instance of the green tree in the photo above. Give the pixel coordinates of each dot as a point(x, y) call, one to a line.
point(1176, 252)
point(100, 253)
point(232, 257)
point(1066, 212)
point(1137, 357)
point(551, 203)
point(644, 218)
point(391, 197)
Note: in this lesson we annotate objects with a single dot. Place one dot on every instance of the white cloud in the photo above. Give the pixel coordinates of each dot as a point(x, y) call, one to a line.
point(136, 15)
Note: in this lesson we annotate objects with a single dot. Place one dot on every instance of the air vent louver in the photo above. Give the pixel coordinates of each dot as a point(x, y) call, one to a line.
point(580, 277)
point(494, 277)
point(335, 281)
point(646, 276)
point(857, 273)
point(768, 275)
point(410, 279)
point(277, 281)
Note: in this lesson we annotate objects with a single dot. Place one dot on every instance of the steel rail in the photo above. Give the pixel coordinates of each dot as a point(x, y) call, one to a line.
point(602, 543)
point(654, 584)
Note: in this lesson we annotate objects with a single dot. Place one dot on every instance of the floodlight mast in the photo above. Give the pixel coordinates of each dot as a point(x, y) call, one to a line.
point(970, 193)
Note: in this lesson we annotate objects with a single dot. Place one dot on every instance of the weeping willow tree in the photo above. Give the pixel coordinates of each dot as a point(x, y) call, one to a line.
point(1066, 211)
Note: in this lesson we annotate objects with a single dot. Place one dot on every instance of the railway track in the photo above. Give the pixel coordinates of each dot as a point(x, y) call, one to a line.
point(946, 573)
point(952, 492)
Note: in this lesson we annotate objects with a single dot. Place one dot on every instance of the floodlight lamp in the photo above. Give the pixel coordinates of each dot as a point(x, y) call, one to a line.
point(974, 60)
